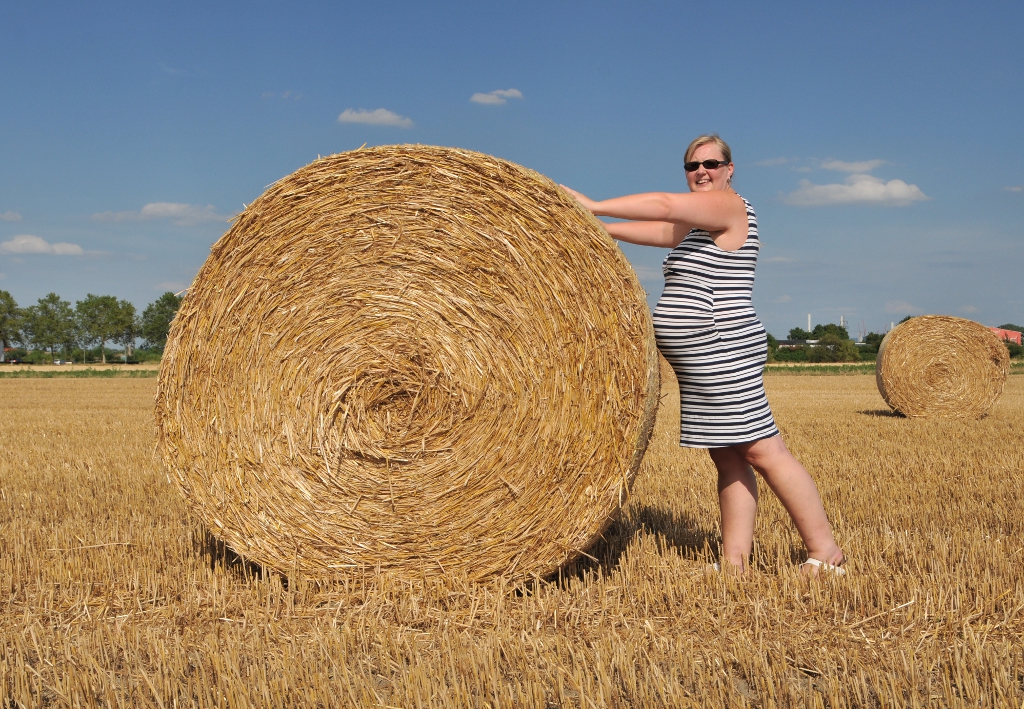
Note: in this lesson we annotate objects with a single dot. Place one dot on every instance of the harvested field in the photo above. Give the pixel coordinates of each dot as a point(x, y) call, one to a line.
point(112, 595)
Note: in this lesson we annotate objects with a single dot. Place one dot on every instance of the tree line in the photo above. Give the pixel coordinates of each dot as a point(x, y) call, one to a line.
point(835, 345)
point(53, 325)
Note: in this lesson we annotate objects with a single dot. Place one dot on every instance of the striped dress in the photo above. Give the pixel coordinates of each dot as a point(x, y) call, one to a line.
point(707, 329)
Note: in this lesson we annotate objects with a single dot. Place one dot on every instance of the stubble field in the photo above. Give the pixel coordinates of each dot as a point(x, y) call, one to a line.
point(112, 594)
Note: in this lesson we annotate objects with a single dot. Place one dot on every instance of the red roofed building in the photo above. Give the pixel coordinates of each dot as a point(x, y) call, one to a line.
point(1009, 335)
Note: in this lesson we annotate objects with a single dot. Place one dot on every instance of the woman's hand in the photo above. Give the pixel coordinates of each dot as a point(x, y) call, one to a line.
point(582, 199)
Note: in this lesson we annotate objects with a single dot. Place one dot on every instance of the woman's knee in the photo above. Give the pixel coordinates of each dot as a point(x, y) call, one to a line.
point(760, 454)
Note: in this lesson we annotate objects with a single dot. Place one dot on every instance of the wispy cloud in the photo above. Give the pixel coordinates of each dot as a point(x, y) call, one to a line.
point(842, 166)
point(378, 117)
point(901, 307)
point(782, 299)
point(968, 309)
point(179, 214)
point(781, 259)
point(772, 162)
point(29, 244)
point(857, 189)
point(168, 69)
point(1015, 188)
point(10, 217)
point(293, 95)
point(496, 98)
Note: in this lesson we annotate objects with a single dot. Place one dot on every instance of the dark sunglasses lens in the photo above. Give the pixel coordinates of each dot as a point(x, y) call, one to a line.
point(708, 165)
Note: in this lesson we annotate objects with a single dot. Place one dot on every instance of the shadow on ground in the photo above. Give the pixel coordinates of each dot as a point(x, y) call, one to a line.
point(219, 555)
point(673, 531)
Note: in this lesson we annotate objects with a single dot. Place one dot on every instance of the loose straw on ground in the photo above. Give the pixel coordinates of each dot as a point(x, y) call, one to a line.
point(421, 360)
point(936, 366)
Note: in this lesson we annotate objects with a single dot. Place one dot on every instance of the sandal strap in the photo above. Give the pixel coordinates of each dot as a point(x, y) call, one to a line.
point(825, 566)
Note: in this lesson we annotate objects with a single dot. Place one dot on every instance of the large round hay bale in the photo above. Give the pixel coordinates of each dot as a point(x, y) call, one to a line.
point(935, 366)
point(411, 359)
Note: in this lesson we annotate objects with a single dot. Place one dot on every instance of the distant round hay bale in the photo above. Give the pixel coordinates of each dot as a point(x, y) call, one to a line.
point(936, 366)
point(411, 359)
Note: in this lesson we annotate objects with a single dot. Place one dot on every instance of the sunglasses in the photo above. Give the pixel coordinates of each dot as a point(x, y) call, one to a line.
point(708, 165)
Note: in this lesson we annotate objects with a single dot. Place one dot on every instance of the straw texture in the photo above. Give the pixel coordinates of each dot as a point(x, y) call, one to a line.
point(421, 360)
point(935, 366)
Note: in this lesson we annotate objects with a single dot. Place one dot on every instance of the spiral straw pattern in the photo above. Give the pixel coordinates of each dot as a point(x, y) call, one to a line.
point(413, 359)
point(936, 366)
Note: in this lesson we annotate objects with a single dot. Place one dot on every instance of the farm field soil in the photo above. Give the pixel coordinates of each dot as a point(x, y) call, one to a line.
point(112, 594)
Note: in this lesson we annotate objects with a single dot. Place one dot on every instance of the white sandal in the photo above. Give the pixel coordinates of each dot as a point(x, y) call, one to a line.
point(825, 567)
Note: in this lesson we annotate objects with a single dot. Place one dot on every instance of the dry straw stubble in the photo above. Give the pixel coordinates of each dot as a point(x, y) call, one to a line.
point(413, 359)
point(936, 366)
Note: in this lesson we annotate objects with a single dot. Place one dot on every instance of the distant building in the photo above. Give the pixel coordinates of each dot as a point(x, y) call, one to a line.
point(1008, 335)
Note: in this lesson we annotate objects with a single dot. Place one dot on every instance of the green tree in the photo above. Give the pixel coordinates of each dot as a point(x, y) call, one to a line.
point(127, 327)
point(98, 321)
point(1011, 326)
point(831, 328)
point(904, 319)
point(819, 331)
point(874, 339)
point(50, 323)
point(156, 320)
point(10, 322)
point(832, 348)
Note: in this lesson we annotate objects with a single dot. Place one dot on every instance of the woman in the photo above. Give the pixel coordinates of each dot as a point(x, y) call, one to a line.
point(707, 329)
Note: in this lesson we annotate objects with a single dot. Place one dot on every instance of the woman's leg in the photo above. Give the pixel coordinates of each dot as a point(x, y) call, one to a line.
point(795, 488)
point(737, 499)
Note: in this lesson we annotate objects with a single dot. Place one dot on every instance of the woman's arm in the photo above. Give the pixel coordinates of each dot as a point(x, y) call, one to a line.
point(663, 234)
point(715, 210)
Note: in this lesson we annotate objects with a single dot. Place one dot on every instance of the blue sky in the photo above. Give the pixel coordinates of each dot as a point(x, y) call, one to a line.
point(880, 143)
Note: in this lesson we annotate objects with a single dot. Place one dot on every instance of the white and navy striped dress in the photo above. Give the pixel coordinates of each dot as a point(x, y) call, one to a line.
point(707, 329)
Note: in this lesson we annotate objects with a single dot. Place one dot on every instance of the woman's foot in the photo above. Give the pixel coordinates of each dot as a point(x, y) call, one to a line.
point(814, 567)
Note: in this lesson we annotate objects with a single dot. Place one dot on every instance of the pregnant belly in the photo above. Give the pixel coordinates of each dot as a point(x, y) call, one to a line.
point(690, 308)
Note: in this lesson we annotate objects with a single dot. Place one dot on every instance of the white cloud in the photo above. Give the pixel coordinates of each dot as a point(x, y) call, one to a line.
point(294, 95)
point(179, 214)
point(901, 307)
point(862, 166)
point(29, 244)
point(496, 98)
point(782, 299)
point(378, 117)
point(858, 189)
point(10, 217)
point(967, 309)
point(1014, 188)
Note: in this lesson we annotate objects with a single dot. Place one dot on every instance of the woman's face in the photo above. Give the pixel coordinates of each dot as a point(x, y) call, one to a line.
point(704, 180)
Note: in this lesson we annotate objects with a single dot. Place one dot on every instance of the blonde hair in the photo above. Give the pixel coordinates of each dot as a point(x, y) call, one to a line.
point(704, 140)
